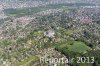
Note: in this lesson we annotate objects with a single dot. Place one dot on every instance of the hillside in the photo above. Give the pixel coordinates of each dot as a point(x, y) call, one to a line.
point(62, 30)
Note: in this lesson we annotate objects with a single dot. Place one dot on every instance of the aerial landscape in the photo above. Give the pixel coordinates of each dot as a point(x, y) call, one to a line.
point(49, 32)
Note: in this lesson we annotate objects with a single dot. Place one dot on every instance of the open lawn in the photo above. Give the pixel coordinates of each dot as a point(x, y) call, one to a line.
point(75, 46)
point(78, 47)
point(26, 62)
point(69, 32)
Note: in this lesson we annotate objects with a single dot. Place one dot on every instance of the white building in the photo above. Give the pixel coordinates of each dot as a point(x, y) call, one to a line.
point(49, 33)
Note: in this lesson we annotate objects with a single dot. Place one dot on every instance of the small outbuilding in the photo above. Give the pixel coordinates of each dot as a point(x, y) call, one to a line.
point(98, 42)
point(49, 33)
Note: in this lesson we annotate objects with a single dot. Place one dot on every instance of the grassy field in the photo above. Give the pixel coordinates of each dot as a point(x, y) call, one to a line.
point(78, 47)
point(27, 62)
point(69, 32)
point(23, 11)
point(75, 46)
point(29, 11)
